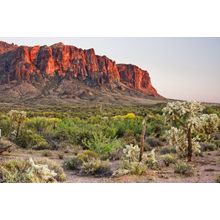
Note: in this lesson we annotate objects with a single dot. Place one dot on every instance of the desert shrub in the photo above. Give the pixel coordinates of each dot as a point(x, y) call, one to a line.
point(87, 155)
point(110, 132)
point(217, 179)
point(29, 139)
point(64, 145)
point(127, 116)
point(168, 150)
point(5, 125)
point(5, 143)
point(67, 130)
point(168, 159)
point(102, 145)
point(73, 163)
point(127, 127)
point(134, 168)
point(96, 167)
point(217, 135)
point(30, 171)
point(184, 168)
point(46, 153)
point(117, 155)
point(41, 124)
point(154, 142)
point(205, 146)
point(76, 162)
point(155, 125)
point(217, 143)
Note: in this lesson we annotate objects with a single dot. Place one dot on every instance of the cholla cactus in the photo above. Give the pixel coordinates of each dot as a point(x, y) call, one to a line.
point(131, 153)
point(150, 159)
point(130, 162)
point(17, 118)
point(187, 121)
point(176, 112)
point(178, 138)
point(40, 171)
point(208, 125)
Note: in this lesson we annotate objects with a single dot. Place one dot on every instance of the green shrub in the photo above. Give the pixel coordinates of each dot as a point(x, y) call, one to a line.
point(102, 145)
point(5, 125)
point(96, 167)
point(38, 124)
point(137, 168)
point(208, 146)
point(184, 168)
point(29, 139)
point(155, 125)
point(168, 150)
point(154, 142)
point(168, 159)
point(73, 163)
point(133, 168)
point(67, 130)
point(127, 126)
point(87, 155)
point(76, 162)
point(29, 171)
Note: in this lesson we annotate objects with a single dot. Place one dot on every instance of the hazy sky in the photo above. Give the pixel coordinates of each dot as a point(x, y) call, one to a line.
point(182, 68)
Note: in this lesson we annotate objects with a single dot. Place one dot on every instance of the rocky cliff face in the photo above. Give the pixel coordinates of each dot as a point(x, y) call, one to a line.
point(136, 78)
point(33, 64)
point(5, 47)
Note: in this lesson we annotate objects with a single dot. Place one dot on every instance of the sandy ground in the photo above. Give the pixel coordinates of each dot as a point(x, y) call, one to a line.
point(206, 167)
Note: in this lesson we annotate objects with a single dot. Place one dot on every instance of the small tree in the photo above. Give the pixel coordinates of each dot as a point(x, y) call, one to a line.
point(187, 121)
point(17, 118)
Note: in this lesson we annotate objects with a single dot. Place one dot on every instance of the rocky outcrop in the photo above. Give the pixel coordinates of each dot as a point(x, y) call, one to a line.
point(5, 47)
point(33, 64)
point(136, 78)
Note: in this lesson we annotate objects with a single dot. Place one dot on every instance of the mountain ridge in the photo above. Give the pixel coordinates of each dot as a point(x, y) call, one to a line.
point(41, 66)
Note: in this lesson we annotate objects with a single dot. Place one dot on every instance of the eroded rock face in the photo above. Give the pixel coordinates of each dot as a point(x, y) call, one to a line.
point(136, 78)
point(5, 47)
point(36, 63)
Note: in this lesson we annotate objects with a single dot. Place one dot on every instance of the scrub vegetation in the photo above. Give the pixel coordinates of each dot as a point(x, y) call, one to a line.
point(174, 142)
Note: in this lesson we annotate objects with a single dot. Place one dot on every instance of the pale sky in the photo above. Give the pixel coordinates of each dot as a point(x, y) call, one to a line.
point(180, 68)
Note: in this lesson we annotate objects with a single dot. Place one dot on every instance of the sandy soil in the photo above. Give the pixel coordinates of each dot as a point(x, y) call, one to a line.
point(206, 169)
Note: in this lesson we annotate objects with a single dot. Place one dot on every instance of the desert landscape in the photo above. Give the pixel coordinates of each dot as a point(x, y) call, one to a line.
point(70, 115)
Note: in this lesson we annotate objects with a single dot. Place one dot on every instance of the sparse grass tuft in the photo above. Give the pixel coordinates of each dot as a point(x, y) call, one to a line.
point(184, 169)
point(168, 159)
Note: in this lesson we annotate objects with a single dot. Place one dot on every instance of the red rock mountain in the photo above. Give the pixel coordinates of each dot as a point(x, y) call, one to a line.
point(34, 64)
